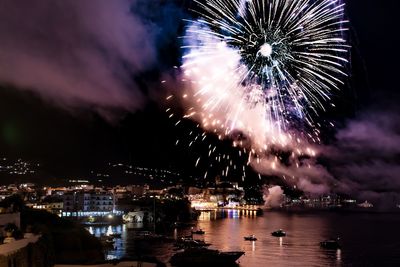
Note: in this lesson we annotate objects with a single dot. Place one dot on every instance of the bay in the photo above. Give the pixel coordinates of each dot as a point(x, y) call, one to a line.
point(367, 239)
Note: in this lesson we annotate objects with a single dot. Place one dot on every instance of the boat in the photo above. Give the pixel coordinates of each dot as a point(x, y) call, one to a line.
point(199, 232)
point(250, 238)
point(330, 244)
point(203, 256)
point(279, 233)
point(184, 243)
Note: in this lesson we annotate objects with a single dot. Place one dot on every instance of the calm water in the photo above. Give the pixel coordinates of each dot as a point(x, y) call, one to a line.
point(366, 239)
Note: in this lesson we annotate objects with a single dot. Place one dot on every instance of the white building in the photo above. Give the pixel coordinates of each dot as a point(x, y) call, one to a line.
point(88, 201)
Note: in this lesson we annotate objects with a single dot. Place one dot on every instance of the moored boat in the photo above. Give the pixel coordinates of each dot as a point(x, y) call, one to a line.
point(279, 233)
point(330, 244)
point(203, 256)
point(250, 238)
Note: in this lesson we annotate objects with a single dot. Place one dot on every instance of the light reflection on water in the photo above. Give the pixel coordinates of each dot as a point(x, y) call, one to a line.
point(118, 250)
point(363, 244)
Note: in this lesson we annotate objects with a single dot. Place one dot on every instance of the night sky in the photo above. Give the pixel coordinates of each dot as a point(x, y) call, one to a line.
point(80, 87)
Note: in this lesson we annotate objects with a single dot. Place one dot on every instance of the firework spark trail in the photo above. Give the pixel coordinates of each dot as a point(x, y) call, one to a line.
point(261, 68)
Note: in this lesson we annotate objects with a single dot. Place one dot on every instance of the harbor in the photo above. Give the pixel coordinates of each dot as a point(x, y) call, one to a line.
point(304, 232)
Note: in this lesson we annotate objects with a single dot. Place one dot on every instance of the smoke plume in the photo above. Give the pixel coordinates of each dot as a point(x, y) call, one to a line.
point(366, 157)
point(76, 53)
point(273, 196)
point(363, 162)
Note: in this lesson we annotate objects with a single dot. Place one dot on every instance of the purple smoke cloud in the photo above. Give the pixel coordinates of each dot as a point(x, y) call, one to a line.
point(366, 157)
point(76, 53)
point(363, 162)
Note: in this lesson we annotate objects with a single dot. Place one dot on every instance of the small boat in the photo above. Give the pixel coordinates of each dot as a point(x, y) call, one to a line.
point(199, 232)
point(250, 238)
point(330, 244)
point(205, 256)
point(279, 233)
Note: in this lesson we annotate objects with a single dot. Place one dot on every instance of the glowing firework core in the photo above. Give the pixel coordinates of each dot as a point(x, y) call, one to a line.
point(266, 50)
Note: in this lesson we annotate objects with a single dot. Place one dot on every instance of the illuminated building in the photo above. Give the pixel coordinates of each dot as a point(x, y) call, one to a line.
point(88, 201)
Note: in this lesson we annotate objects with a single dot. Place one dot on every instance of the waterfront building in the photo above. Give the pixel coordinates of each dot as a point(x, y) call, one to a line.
point(102, 201)
point(76, 201)
point(89, 204)
point(55, 207)
point(204, 205)
point(88, 201)
point(139, 216)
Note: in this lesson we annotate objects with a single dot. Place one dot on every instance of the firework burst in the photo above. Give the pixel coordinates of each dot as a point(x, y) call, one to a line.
point(294, 50)
point(260, 71)
point(262, 66)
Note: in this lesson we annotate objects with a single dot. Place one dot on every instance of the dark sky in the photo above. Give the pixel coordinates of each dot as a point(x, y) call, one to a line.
point(373, 28)
point(86, 126)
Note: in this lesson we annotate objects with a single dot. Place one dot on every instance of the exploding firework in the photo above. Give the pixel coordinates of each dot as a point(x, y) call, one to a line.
point(261, 67)
point(295, 48)
point(260, 71)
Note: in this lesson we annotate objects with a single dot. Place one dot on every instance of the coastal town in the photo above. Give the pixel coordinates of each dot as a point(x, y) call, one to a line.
point(150, 210)
point(85, 200)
